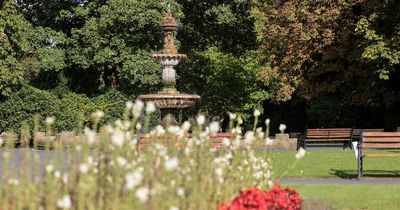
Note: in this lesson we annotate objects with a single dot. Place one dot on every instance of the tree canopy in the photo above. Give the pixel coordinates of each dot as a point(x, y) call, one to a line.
point(304, 55)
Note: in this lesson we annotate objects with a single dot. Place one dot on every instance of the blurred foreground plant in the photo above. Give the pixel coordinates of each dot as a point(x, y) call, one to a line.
point(119, 166)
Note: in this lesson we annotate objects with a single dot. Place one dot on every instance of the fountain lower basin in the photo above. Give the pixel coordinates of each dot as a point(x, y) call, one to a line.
point(166, 100)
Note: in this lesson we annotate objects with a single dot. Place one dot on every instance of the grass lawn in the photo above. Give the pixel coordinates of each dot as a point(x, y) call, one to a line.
point(332, 164)
point(340, 164)
point(350, 196)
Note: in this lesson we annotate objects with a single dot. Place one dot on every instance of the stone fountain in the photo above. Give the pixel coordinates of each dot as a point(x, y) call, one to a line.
point(169, 100)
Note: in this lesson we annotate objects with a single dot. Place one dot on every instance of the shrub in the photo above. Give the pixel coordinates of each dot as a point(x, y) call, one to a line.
point(24, 104)
point(71, 110)
point(111, 103)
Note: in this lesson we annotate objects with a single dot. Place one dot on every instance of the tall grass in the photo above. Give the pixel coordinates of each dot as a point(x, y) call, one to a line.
point(116, 167)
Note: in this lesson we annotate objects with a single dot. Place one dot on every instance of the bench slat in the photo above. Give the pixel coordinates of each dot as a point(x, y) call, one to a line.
point(381, 140)
point(381, 134)
point(324, 132)
point(381, 155)
point(383, 146)
point(357, 131)
point(325, 139)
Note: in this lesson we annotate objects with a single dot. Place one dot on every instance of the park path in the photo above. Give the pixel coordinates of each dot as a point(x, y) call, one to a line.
point(339, 181)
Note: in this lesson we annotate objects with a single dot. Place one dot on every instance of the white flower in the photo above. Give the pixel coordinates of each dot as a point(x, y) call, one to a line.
point(232, 116)
point(1, 141)
point(109, 178)
point(109, 129)
point(121, 161)
point(282, 127)
point(256, 113)
point(300, 154)
point(268, 141)
point(173, 129)
point(186, 126)
point(90, 160)
point(173, 208)
point(57, 174)
point(78, 148)
point(142, 194)
point(49, 168)
point(65, 178)
point(237, 130)
point(249, 137)
point(98, 114)
point(226, 142)
point(90, 135)
point(83, 168)
point(129, 105)
point(171, 164)
point(267, 121)
point(260, 135)
point(117, 138)
point(138, 126)
point(150, 107)
point(160, 130)
point(137, 108)
point(214, 127)
point(133, 179)
point(50, 120)
point(201, 120)
point(13, 182)
point(240, 120)
point(229, 156)
point(180, 192)
point(219, 171)
point(65, 202)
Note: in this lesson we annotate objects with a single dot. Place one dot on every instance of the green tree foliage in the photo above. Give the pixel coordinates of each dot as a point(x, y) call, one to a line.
point(26, 51)
point(91, 46)
point(226, 83)
point(226, 24)
point(220, 39)
point(113, 43)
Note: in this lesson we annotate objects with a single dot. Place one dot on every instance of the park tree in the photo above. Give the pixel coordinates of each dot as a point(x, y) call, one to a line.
point(225, 24)
point(327, 47)
point(113, 47)
point(26, 51)
point(220, 40)
point(226, 83)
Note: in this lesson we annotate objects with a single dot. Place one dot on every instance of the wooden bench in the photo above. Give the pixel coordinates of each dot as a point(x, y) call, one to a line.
point(326, 136)
point(216, 140)
point(357, 132)
point(376, 141)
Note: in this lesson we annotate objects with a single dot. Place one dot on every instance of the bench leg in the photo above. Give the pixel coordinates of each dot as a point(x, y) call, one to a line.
point(347, 144)
point(360, 168)
point(301, 143)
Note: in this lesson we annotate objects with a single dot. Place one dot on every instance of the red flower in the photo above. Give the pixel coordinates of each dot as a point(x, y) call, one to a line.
point(278, 198)
point(256, 199)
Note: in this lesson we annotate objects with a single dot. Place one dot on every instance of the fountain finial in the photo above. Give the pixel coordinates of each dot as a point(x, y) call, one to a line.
point(169, 8)
point(169, 27)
